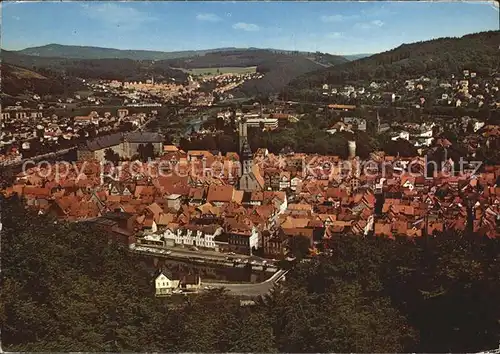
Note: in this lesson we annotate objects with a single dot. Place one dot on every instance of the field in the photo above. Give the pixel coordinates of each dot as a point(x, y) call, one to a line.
point(223, 70)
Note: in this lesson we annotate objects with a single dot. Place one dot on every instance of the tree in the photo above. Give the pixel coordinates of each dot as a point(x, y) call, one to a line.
point(429, 294)
point(110, 155)
point(299, 246)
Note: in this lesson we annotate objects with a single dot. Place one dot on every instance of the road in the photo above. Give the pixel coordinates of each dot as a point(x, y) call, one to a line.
point(209, 256)
point(256, 289)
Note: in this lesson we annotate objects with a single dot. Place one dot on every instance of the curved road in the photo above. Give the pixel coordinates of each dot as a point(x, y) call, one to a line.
point(249, 289)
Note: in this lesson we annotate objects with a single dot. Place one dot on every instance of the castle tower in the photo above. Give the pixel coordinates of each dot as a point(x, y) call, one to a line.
point(351, 145)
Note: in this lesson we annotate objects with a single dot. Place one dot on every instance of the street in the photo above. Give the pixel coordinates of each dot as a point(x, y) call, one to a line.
point(200, 256)
point(256, 289)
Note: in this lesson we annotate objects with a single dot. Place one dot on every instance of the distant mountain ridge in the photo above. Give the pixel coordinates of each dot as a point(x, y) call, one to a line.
point(91, 52)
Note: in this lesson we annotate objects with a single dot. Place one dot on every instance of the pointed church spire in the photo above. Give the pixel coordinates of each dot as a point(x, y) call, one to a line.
point(246, 151)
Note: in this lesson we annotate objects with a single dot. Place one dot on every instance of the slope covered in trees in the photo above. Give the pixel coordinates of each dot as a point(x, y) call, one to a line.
point(17, 81)
point(435, 58)
point(112, 69)
point(64, 288)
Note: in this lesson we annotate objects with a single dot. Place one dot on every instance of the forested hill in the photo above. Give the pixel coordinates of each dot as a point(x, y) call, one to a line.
point(17, 81)
point(119, 69)
point(65, 289)
point(441, 57)
point(88, 52)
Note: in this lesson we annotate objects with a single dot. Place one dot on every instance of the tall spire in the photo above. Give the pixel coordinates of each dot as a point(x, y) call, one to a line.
point(378, 123)
point(246, 151)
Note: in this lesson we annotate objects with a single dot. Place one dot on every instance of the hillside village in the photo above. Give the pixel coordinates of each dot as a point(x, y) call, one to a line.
point(466, 89)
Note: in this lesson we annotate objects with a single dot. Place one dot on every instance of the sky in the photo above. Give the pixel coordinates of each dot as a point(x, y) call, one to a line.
point(331, 27)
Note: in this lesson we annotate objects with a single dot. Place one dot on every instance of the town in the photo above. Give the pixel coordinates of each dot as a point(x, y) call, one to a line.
point(246, 198)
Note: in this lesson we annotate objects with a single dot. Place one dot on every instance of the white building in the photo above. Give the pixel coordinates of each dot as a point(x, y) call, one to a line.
point(477, 125)
point(164, 285)
point(401, 135)
point(269, 123)
point(193, 235)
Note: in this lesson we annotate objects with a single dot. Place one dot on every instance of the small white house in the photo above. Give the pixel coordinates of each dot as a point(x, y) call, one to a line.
point(164, 285)
point(401, 135)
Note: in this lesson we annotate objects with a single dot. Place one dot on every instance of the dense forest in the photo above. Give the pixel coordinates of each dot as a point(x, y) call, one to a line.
point(64, 288)
point(435, 58)
point(17, 81)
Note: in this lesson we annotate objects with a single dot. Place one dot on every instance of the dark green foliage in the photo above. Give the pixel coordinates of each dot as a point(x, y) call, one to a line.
point(65, 288)
point(110, 155)
point(40, 83)
point(309, 136)
point(435, 58)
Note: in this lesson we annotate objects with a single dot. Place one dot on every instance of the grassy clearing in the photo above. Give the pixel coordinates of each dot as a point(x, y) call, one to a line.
point(21, 73)
point(223, 70)
point(84, 93)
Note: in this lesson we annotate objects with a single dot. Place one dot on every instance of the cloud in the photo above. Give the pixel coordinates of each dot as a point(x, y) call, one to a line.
point(332, 18)
point(249, 27)
point(337, 18)
point(117, 15)
point(208, 17)
point(333, 35)
point(369, 25)
point(379, 11)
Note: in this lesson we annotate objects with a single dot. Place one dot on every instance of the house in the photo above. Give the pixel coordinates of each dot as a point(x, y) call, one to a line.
point(355, 123)
point(165, 286)
point(274, 243)
point(125, 145)
point(267, 123)
point(194, 235)
point(190, 282)
point(220, 195)
point(174, 201)
point(284, 180)
point(401, 135)
point(243, 240)
point(338, 127)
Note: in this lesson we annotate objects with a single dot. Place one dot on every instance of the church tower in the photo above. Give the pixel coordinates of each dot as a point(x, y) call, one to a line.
point(378, 123)
point(246, 158)
point(242, 133)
